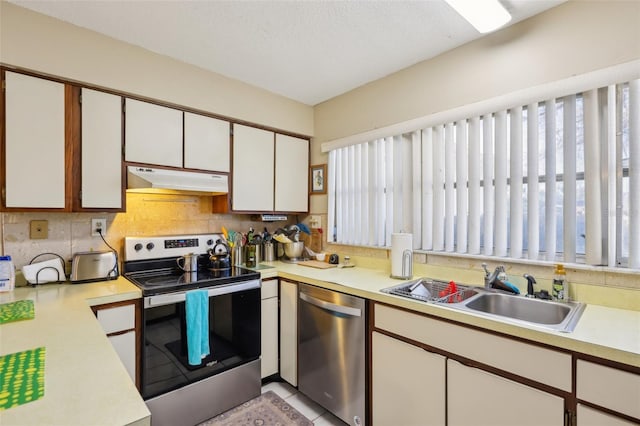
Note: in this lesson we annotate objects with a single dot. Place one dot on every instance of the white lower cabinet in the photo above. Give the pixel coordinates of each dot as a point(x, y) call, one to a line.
point(289, 331)
point(119, 324)
point(269, 328)
point(587, 416)
point(408, 384)
point(476, 397)
point(125, 346)
point(595, 382)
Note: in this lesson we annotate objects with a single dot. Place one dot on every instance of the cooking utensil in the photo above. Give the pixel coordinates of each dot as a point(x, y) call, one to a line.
point(189, 262)
point(219, 256)
point(293, 250)
point(316, 264)
point(282, 239)
point(269, 251)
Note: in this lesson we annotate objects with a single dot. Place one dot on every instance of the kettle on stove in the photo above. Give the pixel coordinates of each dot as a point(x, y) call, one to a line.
point(220, 256)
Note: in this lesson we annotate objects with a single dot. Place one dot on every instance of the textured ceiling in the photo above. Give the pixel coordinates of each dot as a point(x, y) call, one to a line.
point(306, 50)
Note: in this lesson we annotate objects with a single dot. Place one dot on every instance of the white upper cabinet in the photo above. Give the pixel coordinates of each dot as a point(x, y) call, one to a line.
point(35, 142)
point(270, 171)
point(207, 143)
point(291, 174)
point(101, 150)
point(253, 169)
point(153, 134)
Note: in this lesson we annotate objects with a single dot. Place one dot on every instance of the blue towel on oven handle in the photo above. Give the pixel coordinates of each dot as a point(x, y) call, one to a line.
point(197, 312)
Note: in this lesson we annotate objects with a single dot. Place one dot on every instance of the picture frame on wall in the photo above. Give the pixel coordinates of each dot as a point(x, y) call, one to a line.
point(318, 179)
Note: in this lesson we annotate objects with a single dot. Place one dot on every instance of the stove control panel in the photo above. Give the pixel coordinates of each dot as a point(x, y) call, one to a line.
point(145, 248)
point(182, 242)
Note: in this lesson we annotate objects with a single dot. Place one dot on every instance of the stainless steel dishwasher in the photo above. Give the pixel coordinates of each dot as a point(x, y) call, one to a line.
point(331, 351)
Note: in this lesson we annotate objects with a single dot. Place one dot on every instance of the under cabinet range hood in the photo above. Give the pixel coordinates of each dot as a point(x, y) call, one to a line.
point(146, 179)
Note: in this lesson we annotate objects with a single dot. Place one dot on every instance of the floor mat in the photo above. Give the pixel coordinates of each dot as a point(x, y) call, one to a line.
point(267, 409)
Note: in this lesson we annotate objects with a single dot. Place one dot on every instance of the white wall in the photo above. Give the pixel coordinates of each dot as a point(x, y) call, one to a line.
point(34, 41)
point(573, 38)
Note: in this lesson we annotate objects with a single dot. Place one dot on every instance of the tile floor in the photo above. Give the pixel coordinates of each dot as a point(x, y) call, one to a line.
point(318, 415)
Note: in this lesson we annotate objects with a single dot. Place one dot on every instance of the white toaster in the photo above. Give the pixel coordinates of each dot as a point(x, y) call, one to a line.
point(94, 266)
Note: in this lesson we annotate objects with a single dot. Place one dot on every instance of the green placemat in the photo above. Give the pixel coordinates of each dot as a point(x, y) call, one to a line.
point(16, 311)
point(21, 377)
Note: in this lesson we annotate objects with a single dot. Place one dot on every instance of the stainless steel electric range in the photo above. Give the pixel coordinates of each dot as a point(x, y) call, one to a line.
point(175, 391)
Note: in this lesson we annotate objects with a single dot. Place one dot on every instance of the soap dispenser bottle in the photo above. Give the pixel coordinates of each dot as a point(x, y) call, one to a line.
point(560, 289)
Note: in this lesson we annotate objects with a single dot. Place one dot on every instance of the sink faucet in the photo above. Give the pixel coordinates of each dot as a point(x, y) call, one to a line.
point(530, 282)
point(490, 278)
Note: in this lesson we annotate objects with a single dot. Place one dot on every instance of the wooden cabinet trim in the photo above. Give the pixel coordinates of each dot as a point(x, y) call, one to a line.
point(72, 143)
point(3, 172)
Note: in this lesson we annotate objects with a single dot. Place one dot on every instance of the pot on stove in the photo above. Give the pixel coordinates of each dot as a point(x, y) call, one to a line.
point(219, 256)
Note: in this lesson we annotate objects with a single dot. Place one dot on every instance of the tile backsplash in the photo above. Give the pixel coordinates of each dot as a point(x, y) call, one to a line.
point(147, 214)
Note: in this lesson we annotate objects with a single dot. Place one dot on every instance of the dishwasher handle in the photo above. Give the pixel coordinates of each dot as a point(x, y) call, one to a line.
point(332, 307)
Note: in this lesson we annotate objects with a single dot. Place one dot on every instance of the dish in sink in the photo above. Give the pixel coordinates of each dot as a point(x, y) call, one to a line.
point(430, 290)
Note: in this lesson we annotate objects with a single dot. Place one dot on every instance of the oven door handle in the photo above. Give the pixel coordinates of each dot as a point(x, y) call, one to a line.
point(170, 298)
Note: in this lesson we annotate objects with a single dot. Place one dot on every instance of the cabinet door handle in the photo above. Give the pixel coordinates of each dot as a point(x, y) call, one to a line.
point(332, 307)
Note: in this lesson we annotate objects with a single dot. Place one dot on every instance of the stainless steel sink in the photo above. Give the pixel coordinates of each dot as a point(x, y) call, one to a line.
point(558, 316)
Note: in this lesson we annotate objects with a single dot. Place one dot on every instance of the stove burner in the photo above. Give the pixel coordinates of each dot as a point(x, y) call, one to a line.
point(168, 280)
point(164, 280)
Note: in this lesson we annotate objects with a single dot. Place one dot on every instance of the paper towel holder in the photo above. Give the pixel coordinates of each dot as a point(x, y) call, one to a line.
point(407, 266)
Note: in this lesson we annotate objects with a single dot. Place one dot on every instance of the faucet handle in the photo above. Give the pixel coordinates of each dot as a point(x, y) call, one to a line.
point(486, 271)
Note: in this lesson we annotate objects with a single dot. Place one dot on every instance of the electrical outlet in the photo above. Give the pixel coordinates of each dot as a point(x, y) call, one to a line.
point(100, 224)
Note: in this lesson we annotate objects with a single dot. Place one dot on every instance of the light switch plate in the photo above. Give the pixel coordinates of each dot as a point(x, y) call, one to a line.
point(39, 229)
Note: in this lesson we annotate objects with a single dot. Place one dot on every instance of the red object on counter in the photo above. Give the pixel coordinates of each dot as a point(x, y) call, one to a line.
point(451, 289)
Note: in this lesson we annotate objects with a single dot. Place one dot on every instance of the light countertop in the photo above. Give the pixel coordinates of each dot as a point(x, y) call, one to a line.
point(609, 333)
point(85, 382)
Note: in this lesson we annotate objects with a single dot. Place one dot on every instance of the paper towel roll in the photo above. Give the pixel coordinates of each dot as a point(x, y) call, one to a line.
point(400, 242)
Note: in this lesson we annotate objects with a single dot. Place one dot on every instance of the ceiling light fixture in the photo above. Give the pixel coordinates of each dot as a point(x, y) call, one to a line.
point(484, 15)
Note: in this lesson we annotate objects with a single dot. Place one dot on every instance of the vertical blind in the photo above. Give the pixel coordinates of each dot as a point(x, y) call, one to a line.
point(557, 179)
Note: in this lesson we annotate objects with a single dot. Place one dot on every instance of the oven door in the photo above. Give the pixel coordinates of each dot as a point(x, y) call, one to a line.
point(234, 336)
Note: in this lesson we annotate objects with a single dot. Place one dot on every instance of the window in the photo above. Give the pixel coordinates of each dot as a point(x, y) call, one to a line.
point(551, 180)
